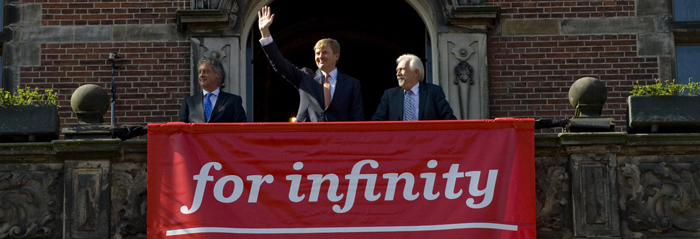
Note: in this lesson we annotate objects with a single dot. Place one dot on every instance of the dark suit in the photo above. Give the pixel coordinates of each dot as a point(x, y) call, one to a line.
point(346, 104)
point(228, 108)
point(431, 100)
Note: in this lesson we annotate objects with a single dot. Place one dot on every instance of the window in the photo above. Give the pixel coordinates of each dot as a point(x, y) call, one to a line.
point(687, 63)
point(2, 26)
point(686, 30)
point(686, 10)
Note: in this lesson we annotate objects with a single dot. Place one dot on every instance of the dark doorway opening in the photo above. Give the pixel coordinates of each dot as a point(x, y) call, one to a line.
point(371, 33)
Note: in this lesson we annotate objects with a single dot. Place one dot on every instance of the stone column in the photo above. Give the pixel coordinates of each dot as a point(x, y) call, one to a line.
point(464, 73)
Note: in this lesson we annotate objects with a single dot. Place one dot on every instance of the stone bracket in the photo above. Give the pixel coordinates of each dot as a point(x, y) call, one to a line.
point(475, 16)
point(594, 192)
point(205, 20)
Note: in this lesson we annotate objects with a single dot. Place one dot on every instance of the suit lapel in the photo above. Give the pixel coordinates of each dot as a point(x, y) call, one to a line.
point(340, 85)
point(220, 100)
point(199, 105)
point(422, 96)
point(399, 103)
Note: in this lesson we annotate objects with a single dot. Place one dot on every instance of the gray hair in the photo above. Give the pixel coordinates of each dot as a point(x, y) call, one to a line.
point(215, 64)
point(413, 63)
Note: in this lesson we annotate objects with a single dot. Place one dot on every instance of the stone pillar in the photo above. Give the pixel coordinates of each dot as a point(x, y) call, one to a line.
point(464, 73)
point(463, 58)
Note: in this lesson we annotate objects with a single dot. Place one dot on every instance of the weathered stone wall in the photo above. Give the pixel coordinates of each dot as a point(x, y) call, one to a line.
point(601, 185)
point(73, 189)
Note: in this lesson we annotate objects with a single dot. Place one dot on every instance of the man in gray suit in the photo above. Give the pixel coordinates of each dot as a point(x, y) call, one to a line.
point(211, 104)
point(326, 95)
point(413, 99)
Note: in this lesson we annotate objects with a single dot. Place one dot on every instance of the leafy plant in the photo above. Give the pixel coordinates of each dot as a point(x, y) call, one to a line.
point(28, 97)
point(667, 88)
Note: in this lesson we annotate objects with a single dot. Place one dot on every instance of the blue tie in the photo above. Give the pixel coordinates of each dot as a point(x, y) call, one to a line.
point(408, 106)
point(207, 107)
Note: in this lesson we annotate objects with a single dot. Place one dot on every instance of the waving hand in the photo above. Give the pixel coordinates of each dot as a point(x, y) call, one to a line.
point(265, 20)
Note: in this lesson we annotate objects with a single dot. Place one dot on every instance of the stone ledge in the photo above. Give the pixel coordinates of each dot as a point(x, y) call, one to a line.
point(598, 138)
point(598, 26)
point(530, 27)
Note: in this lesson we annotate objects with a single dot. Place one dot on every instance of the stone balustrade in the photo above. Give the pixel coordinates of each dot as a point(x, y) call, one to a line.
point(604, 185)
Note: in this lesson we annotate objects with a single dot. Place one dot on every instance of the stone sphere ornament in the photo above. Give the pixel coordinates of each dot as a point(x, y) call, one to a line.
point(90, 102)
point(588, 95)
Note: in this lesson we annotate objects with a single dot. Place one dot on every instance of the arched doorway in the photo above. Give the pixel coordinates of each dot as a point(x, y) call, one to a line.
point(372, 34)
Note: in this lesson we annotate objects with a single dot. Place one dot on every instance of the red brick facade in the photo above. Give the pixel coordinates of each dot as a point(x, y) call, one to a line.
point(530, 76)
point(151, 82)
point(532, 9)
point(98, 12)
point(152, 79)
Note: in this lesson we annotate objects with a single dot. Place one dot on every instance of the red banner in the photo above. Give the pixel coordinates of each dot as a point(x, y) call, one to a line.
point(423, 179)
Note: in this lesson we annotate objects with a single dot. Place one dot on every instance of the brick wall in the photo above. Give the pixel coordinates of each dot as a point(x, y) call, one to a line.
point(526, 9)
point(531, 75)
point(151, 82)
point(99, 12)
point(153, 76)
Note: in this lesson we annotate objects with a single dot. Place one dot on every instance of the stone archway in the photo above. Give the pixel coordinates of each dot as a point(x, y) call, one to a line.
point(456, 35)
point(368, 51)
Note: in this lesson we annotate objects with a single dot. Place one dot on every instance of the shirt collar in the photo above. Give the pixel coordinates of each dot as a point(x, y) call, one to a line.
point(333, 73)
point(414, 89)
point(215, 92)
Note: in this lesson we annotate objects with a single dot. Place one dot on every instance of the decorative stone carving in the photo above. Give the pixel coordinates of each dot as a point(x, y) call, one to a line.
point(661, 197)
point(463, 71)
point(464, 74)
point(30, 201)
point(553, 198)
point(129, 201)
point(594, 193)
point(87, 199)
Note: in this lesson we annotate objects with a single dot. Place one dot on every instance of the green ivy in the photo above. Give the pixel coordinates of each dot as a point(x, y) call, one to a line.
point(28, 97)
point(667, 88)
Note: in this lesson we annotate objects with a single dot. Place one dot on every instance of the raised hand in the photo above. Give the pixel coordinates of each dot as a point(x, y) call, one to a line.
point(265, 20)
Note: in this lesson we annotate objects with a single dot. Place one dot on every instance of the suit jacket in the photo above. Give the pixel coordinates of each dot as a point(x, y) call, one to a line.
point(431, 100)
point(228, 108)
point(346, 104)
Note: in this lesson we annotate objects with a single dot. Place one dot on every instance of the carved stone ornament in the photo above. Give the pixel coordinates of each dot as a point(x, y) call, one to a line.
point(552, 187)
point(129, 201)
point(30, 205)
point(661, 197)
point(464, 72)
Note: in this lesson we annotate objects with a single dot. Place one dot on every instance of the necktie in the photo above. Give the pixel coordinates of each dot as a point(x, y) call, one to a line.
point(326, 91)
point(408, 106)
point(207, 107)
